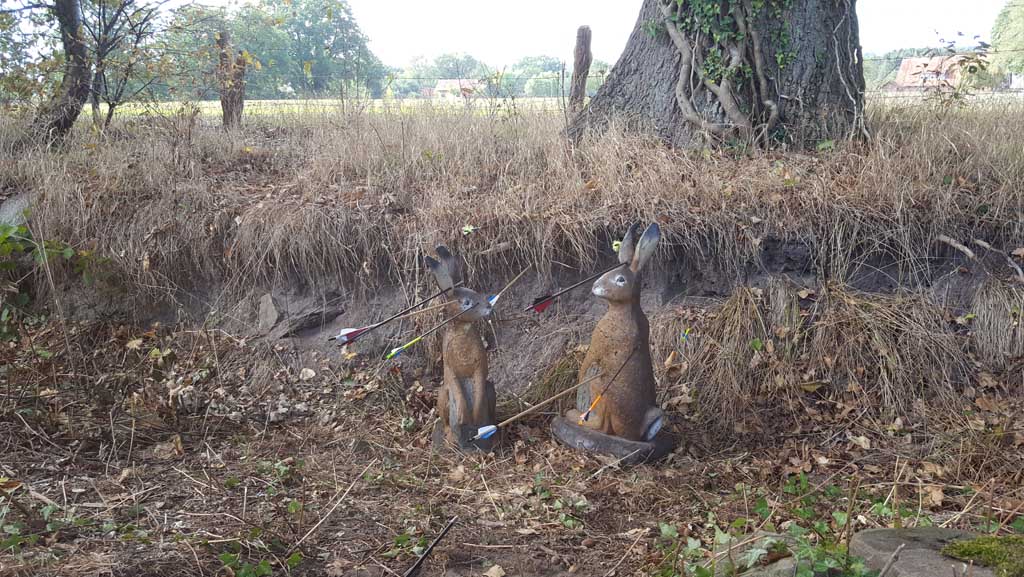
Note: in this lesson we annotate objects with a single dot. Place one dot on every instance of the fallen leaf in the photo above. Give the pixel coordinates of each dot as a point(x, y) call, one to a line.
point(307, 374)
point(133, 344)
point(671, 360)
point(1019, 253)
point(805, 293)
point(458, 473)
point(935, 495)
point(495, 571)
point(861, 441)
point(9, 485)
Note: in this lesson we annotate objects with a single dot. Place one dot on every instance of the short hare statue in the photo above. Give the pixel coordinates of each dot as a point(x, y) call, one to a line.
point(620, 352)
point(466, 400)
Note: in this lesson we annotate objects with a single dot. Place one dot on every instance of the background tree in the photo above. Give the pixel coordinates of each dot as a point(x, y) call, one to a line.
point(1008, 39)
point(770, 71)
point(122, 54)
point(56, 117)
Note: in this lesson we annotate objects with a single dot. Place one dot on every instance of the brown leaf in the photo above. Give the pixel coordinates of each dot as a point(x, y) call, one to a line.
point(495, 571)
point(1019, 253)
point(935, 495)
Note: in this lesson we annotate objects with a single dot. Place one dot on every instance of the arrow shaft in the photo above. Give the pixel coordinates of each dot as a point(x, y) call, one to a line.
point(548, 401)
point(412, 570)
point(590, 278)
point(428, 333)
point(403, 312)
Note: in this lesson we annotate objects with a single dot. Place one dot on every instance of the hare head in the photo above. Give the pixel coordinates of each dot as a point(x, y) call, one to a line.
point(622, 284)
point(448, 273)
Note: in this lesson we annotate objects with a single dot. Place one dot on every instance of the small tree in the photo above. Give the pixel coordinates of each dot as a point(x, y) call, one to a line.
point(232, 81)
point(120, 33)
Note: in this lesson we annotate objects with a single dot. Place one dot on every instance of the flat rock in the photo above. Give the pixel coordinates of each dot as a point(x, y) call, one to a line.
point(629, 452)
point(920, 556)
point(268, 315)
point(12, 210)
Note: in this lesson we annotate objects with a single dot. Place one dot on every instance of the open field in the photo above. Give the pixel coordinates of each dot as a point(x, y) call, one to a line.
point(856, 357)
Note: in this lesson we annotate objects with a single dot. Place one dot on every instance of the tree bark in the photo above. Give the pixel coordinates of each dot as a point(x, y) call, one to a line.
point(580, 70)
point(56, 118)
point(774, 72)
point(232, 82)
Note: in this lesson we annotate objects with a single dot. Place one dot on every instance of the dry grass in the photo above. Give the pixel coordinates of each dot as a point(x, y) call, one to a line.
point(763, 348)
point(331, 197)
point(351, 201)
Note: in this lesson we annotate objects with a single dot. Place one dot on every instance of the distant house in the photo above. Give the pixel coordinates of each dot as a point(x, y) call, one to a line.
point(458, 88)
point(1016, 81)
point(922, 73)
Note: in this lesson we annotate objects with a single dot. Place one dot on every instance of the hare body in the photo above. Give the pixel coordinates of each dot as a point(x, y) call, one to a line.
point(620, 348)
point(466, 400)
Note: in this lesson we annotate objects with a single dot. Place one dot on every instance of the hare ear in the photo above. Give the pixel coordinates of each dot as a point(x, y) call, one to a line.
point(441, 275)
point(450, 262)
point(645, 247)
point(628, 246)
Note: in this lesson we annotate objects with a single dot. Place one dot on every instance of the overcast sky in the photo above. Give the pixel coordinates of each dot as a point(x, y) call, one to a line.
point(500, 33)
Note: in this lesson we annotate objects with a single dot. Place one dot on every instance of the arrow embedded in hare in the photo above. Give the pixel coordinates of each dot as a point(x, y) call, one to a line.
point(607, 385)
point(541, 303)
point(398, 350)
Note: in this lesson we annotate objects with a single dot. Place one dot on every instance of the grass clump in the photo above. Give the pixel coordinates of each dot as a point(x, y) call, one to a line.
point(1005, 554)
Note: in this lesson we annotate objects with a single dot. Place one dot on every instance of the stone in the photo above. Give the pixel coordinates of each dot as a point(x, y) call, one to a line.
point(737, 549)
point(268, 315)
point(919, 558)
point(628, 452)
point(12, 210)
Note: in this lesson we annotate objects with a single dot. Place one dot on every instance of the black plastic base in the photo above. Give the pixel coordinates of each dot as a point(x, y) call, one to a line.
point(628, 452)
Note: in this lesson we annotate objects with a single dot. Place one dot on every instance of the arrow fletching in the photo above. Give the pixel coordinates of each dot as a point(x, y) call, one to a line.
point(541, 304)
point(346, 336)
point(485, 432)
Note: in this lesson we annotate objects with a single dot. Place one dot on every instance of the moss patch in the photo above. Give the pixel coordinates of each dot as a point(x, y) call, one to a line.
point(1004, 554)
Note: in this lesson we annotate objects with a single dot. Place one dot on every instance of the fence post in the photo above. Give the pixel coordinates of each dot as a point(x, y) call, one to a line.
point(580, 70)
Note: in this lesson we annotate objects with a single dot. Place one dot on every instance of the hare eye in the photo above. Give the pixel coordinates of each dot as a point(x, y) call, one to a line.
point(620, 280)
point(465, 302)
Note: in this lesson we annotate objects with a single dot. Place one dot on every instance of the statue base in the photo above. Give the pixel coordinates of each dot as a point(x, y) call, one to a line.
point(628, 452)
point(441, 442)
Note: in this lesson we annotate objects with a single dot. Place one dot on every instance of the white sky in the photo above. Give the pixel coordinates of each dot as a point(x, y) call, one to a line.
point(500, 33)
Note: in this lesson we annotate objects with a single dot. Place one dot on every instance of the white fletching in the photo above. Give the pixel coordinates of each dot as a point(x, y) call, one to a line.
point(485, 432)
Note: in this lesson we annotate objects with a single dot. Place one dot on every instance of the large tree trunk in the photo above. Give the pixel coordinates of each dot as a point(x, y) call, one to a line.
point(764, 71)
point(56, 118)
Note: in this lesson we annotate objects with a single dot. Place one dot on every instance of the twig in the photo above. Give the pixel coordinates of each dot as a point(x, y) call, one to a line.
point(1009, 261)
point(612, 464)
point(412, 570)
point(957, 245)
point(892, 560)
point(626, 554)
point(333, 507)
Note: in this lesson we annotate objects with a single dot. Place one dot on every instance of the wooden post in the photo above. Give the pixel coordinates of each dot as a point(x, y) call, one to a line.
point(580, 70)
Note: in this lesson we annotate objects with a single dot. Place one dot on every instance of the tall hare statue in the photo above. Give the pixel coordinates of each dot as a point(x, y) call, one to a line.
point(466, 400)
point(626, 413)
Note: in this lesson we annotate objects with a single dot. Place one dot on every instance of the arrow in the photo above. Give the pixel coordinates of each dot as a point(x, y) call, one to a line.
point(540, 304)
point(493, 299)
point(487, 431)
point(597, 399)
point(398, 350)
point(349, 335)
point(412, 570)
